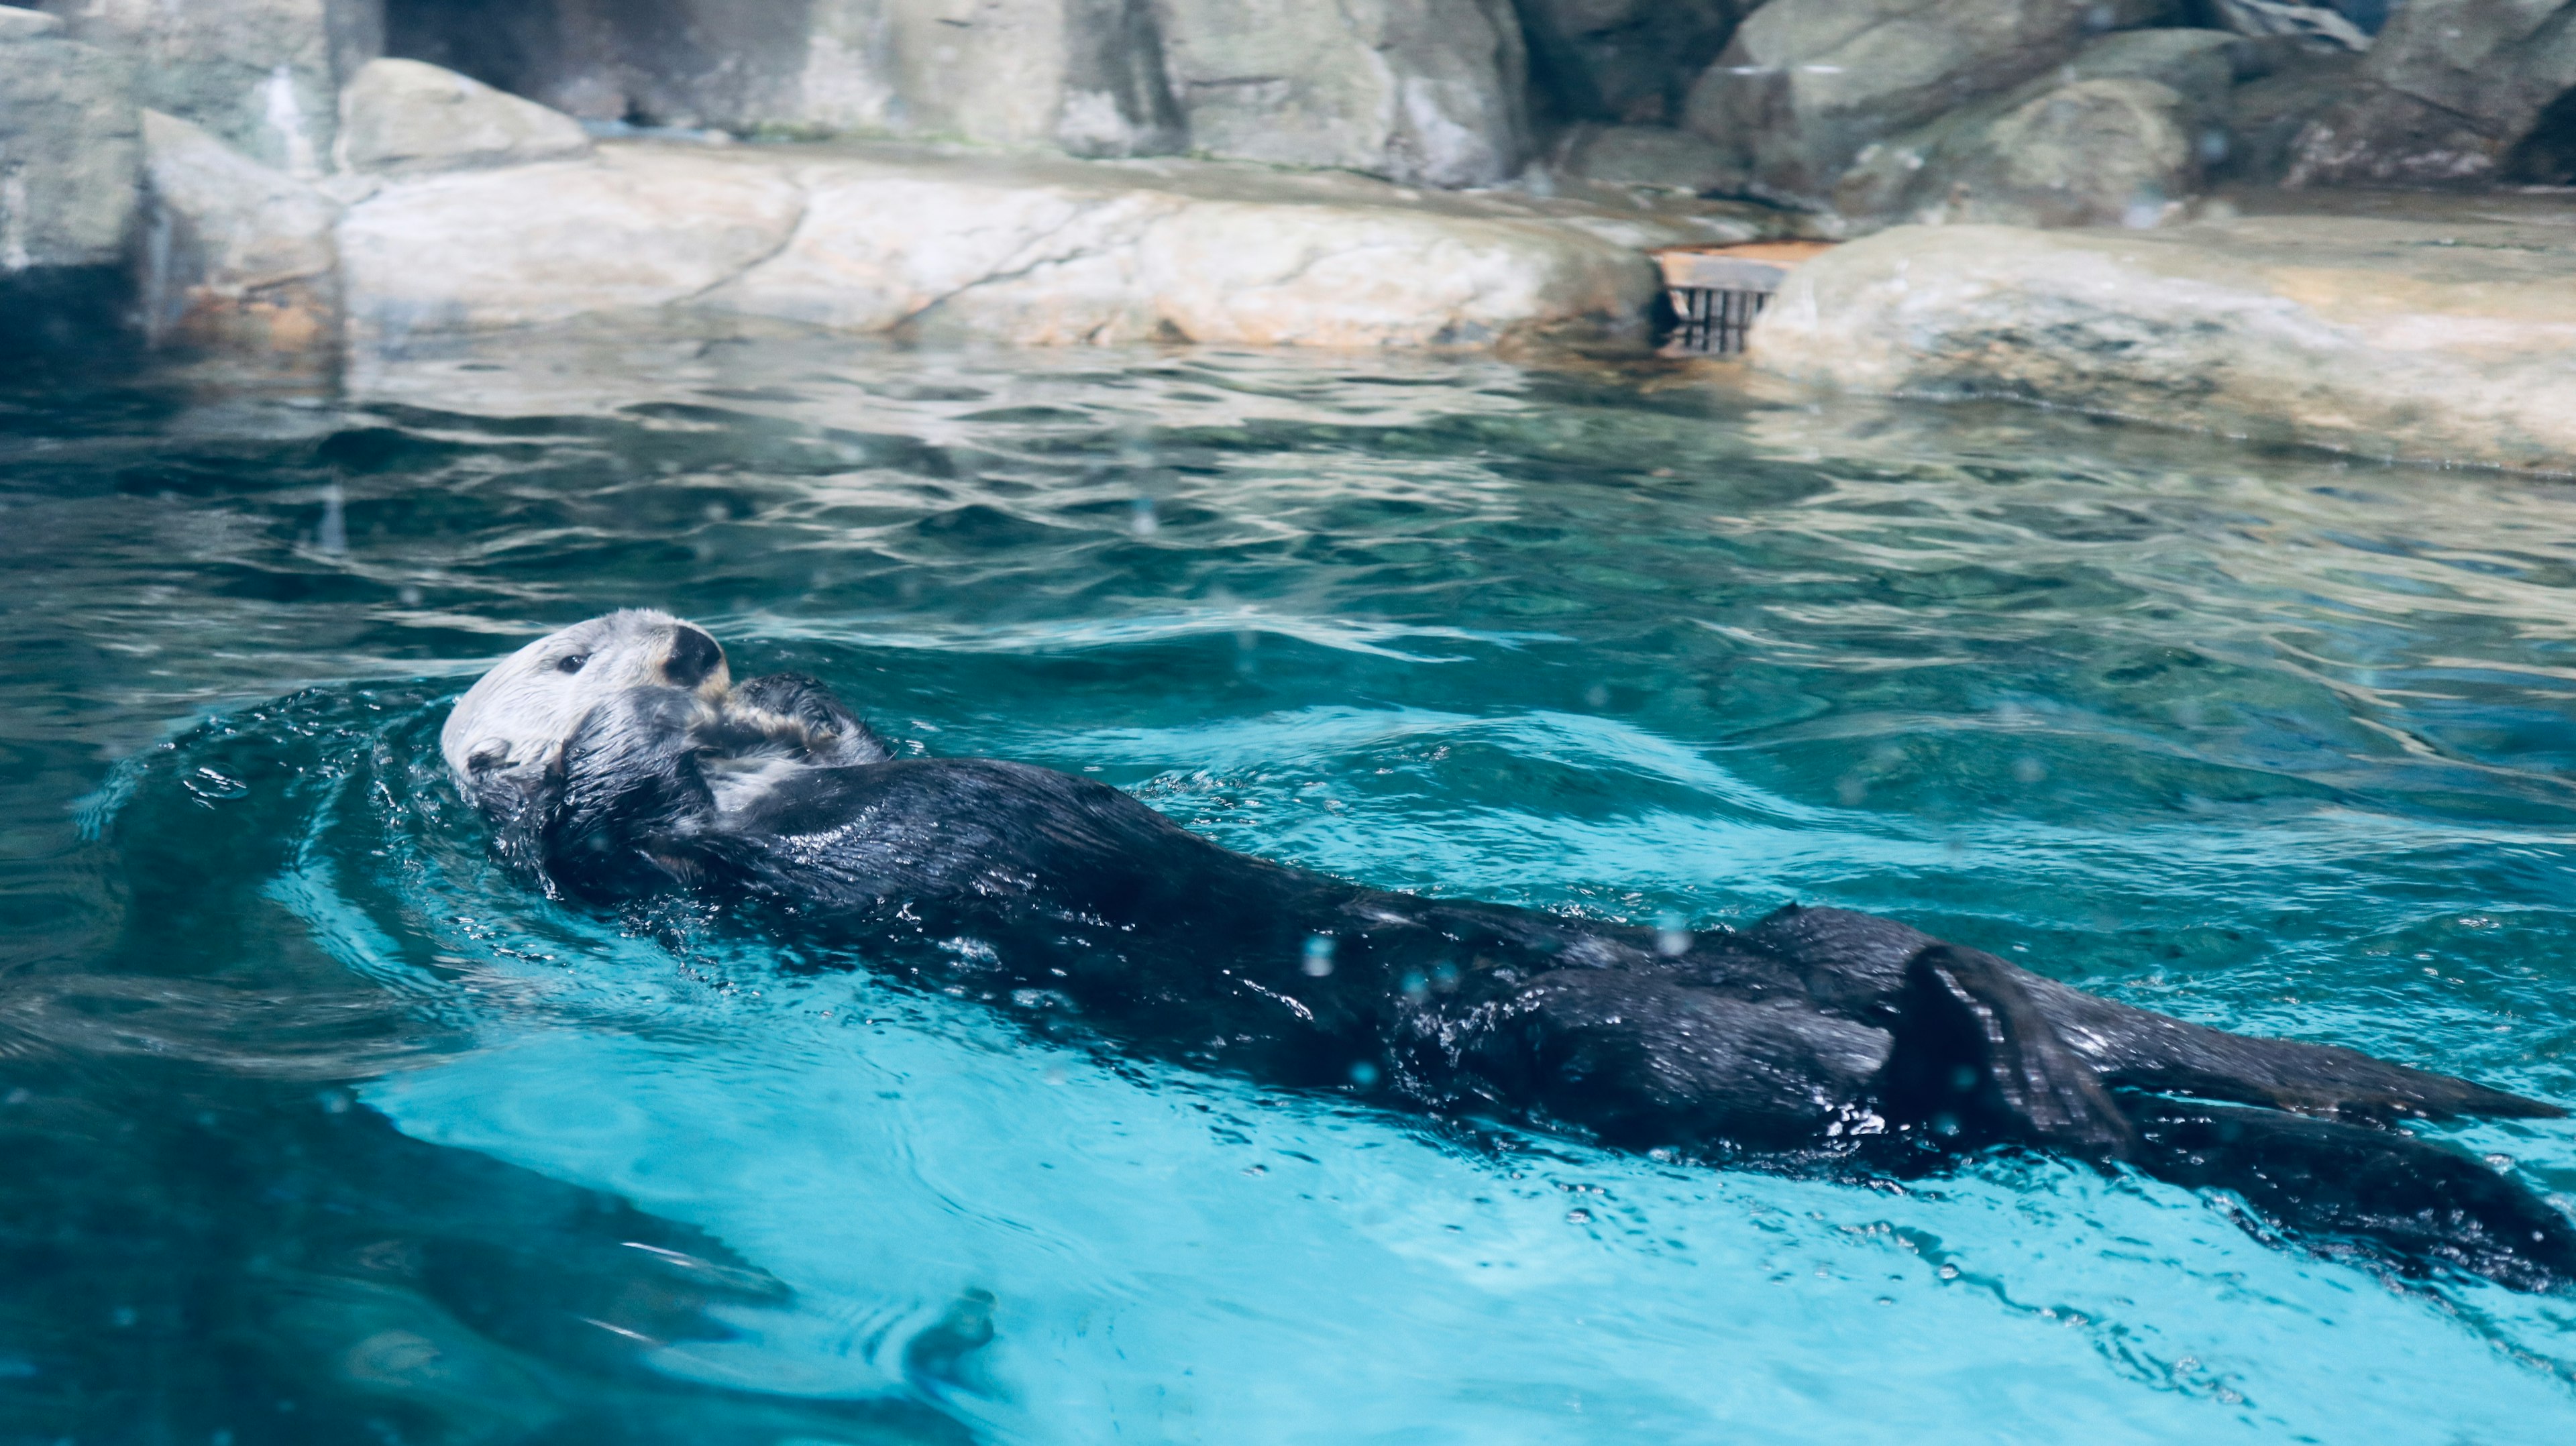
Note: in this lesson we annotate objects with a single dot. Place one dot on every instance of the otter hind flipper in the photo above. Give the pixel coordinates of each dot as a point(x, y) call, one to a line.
point(2141, 1050)
point(1974, 1052)
point(2336, 1185)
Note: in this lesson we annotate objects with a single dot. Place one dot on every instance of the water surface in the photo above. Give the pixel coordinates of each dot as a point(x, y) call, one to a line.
point(320, 1129)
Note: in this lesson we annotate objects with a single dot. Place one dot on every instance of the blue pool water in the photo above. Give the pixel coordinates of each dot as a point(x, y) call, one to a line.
point(323, 1130)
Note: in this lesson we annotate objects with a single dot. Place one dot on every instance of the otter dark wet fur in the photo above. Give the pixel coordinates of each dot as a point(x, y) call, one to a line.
point(617, 762)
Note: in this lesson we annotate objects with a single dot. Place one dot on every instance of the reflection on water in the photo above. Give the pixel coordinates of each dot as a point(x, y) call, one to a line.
point(319, 1129)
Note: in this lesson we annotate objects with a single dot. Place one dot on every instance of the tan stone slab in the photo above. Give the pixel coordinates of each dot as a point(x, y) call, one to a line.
point(624, 233)
point(1017, 249)
point(1754, 266)
point(2448, 339)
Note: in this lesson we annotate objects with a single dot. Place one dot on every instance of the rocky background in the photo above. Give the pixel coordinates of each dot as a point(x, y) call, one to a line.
point(208, 143)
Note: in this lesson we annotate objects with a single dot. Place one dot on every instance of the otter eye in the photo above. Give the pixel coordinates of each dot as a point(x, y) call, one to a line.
point(571, 664)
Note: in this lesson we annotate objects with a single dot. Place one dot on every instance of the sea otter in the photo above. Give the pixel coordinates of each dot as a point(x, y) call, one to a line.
point(618, 761)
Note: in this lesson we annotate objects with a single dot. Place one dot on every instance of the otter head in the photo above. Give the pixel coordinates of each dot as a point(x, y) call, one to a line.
point(508, 732)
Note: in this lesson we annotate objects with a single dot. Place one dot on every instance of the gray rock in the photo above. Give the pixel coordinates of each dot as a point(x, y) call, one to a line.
point(18, 24)
point(1413, 90)
point(2203, 66)
point(2454, 91)
point(70, 149)
point(1117, 93)
point(2296, 19)
point(1629, 62)
point(2438, 338)
point(992, 72)
point(1083, 74)
point(1427, 90)
point(401, 116)
point(2116, 135)
point(236, 254)
point(261, 74)
point(1651, 156)
point(2264, 117)
point(1806, 84)
point(2096, 152)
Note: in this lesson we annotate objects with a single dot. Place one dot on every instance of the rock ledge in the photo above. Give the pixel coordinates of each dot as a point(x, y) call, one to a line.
point(2444, 339)
point(924, 241)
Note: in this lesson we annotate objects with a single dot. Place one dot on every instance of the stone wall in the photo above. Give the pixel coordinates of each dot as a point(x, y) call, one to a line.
point(1778, 99)
point(1872, 113)
point(2455, 91)
point(1427, 90)
point(264, 75)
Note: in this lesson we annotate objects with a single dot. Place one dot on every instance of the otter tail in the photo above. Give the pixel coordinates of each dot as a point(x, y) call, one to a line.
point(2340, 1187)
point(1979, 1057)
point(1859, 963)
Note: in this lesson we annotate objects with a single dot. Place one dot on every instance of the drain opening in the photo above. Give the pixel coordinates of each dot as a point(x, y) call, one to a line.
point(1713, 318)
point(1716, 291)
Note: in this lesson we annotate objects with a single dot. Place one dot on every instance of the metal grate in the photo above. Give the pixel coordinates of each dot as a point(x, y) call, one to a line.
point(1717, 291)
point(1713, 319)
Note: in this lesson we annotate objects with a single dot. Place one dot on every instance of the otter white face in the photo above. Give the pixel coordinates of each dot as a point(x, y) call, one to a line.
point(518, 716)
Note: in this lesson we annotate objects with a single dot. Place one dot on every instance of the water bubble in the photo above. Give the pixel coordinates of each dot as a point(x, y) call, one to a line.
point(2213, 146)
point(333, 534)
point(2027, 769)
point(1578, 1216)
point(1364, 1074)
point(410, 594)
point(2147, 210)
point(1851, 790)
point(1672, 935)
point(1414, 984)
point(1054, 1075)
point(1319, 956)
point(1141, 519)
point(1597, 696)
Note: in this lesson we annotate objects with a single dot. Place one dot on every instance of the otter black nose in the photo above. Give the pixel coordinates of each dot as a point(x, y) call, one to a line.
point(693, 655)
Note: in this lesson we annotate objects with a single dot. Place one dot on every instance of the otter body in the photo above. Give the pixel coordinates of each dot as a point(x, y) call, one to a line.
point(1817, 1036)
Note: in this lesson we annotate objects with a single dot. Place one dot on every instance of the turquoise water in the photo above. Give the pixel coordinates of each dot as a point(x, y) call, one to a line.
point(324, 1131)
